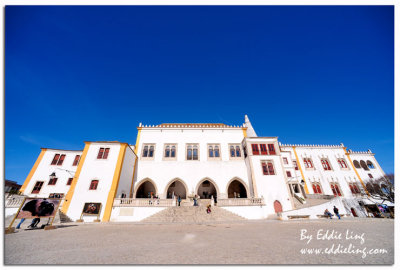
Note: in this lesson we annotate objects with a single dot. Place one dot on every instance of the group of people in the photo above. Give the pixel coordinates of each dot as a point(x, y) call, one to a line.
point(329, 214)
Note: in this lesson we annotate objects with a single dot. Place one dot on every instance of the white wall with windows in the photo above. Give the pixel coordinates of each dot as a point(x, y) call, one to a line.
point(201, 154)
point(63, 170)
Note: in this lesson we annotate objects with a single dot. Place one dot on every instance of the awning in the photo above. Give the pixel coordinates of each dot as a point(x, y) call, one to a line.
point(372, 201)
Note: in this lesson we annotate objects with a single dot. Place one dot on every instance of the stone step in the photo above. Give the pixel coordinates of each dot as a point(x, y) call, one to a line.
point(192, 214)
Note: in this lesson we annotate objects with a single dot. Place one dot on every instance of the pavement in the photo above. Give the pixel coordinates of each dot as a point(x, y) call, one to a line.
point(346, 241)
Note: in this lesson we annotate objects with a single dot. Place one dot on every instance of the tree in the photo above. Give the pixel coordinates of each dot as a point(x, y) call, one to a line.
point(382, 188)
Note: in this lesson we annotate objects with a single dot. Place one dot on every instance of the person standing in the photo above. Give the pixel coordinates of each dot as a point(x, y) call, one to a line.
point(179, 200)
point(336, 211)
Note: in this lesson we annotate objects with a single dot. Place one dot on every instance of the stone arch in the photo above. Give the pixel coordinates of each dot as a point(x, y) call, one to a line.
point(356, 164)
point(244, 193)
point(277, 206)
point(364, 165)
point(183, 194)
point(150, 187)
point(200, 189)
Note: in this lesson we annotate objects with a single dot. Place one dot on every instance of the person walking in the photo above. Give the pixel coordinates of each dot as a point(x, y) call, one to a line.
point(336, 211)
point(179, 200)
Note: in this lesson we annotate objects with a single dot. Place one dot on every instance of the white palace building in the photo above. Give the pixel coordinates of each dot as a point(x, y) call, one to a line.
point(229, 167)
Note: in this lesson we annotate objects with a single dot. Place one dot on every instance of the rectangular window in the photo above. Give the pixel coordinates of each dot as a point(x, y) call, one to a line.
point(93, 184)
point(295, 165)
point(288, 174)
point(267, 167)
point(325, 164)
point(285, 160)
point(148, 151)
point(308, 163)
point(234, 151)
point(76, 160)
point(38, 186)
point(53, 181)
point(213, 151)
point(69, 182)
point(271, 149)
point(254, 147)
point(170, 151)
point(370, 176)
point(58, 159)
point(342, 163)
point(263, 148)
point(103, 153)
point(192, 152)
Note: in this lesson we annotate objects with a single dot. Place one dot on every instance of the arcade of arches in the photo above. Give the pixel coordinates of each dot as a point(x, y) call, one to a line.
point(145, 190)
point(236, 190)
point(176, 189)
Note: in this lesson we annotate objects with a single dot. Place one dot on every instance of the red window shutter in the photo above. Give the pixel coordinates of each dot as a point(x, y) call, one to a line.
point(61, 160)
point(351, 188)
point(76, 160)
point(305, 163)
point(100, 155)
point(271, 149)
point(327, 165)
point(53, 181)
point(271, 168)
point(333, 190)
point(93, 185)
point(319, 189)
point(55, 159)
point(254, 147)
point(264, 167)
point(314, 188)
point(289, 174)
point(106, 153)
point(69, 181)
point(338, 190)
point(263, 148)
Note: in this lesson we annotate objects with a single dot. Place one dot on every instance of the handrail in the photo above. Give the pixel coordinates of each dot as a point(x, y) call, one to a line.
point(240, 202)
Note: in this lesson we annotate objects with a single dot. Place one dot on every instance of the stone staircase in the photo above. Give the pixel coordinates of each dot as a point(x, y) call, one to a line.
point(192, 214)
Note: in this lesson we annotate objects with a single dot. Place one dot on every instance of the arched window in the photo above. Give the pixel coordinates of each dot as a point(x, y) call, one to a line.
point(210, 151)
point(238, 151)
point(151, 151)
point(173, 148)
point(93, 184)
point(314, 188)
point(232, 150)
point(216, 151)
point(356, 164)
point(351, 188)
point(370, 164)
point(338, 190)
point(364, 165)
point(145, 151)
point(319, 189)
point(167, 151)
point(333, 190)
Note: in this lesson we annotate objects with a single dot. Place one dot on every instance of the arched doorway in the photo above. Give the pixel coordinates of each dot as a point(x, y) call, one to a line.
point(236, 190)
point(145, 190)
point(277, 206)
point(206, 189)
point(176, 188)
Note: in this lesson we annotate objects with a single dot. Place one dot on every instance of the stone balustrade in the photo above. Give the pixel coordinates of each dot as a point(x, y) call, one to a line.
point(121, 202)
point(241, 202)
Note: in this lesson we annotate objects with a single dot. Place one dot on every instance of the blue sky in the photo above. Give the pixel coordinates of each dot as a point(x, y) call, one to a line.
point(310, 75)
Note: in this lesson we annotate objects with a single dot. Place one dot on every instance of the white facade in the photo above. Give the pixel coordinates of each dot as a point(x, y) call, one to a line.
point(255, 177)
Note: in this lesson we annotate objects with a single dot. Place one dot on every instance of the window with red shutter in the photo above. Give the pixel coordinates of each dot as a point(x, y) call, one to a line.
point(105, 156)
point(271, 149)
point(53, 181)
point(76, 160)
point(100, 154)
point(263, 148)
point(264, 168)
point(61, 160)
point(285, 160)
point(333, 190)
point(69, 182)
point(338, 190)
point(271, 168)
point(254, 147)
point(37, 187)
point(289, 174)
point(319, 189)
point(55, 159)
point(314, 187)
point(295, 165)
point(93, 184)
